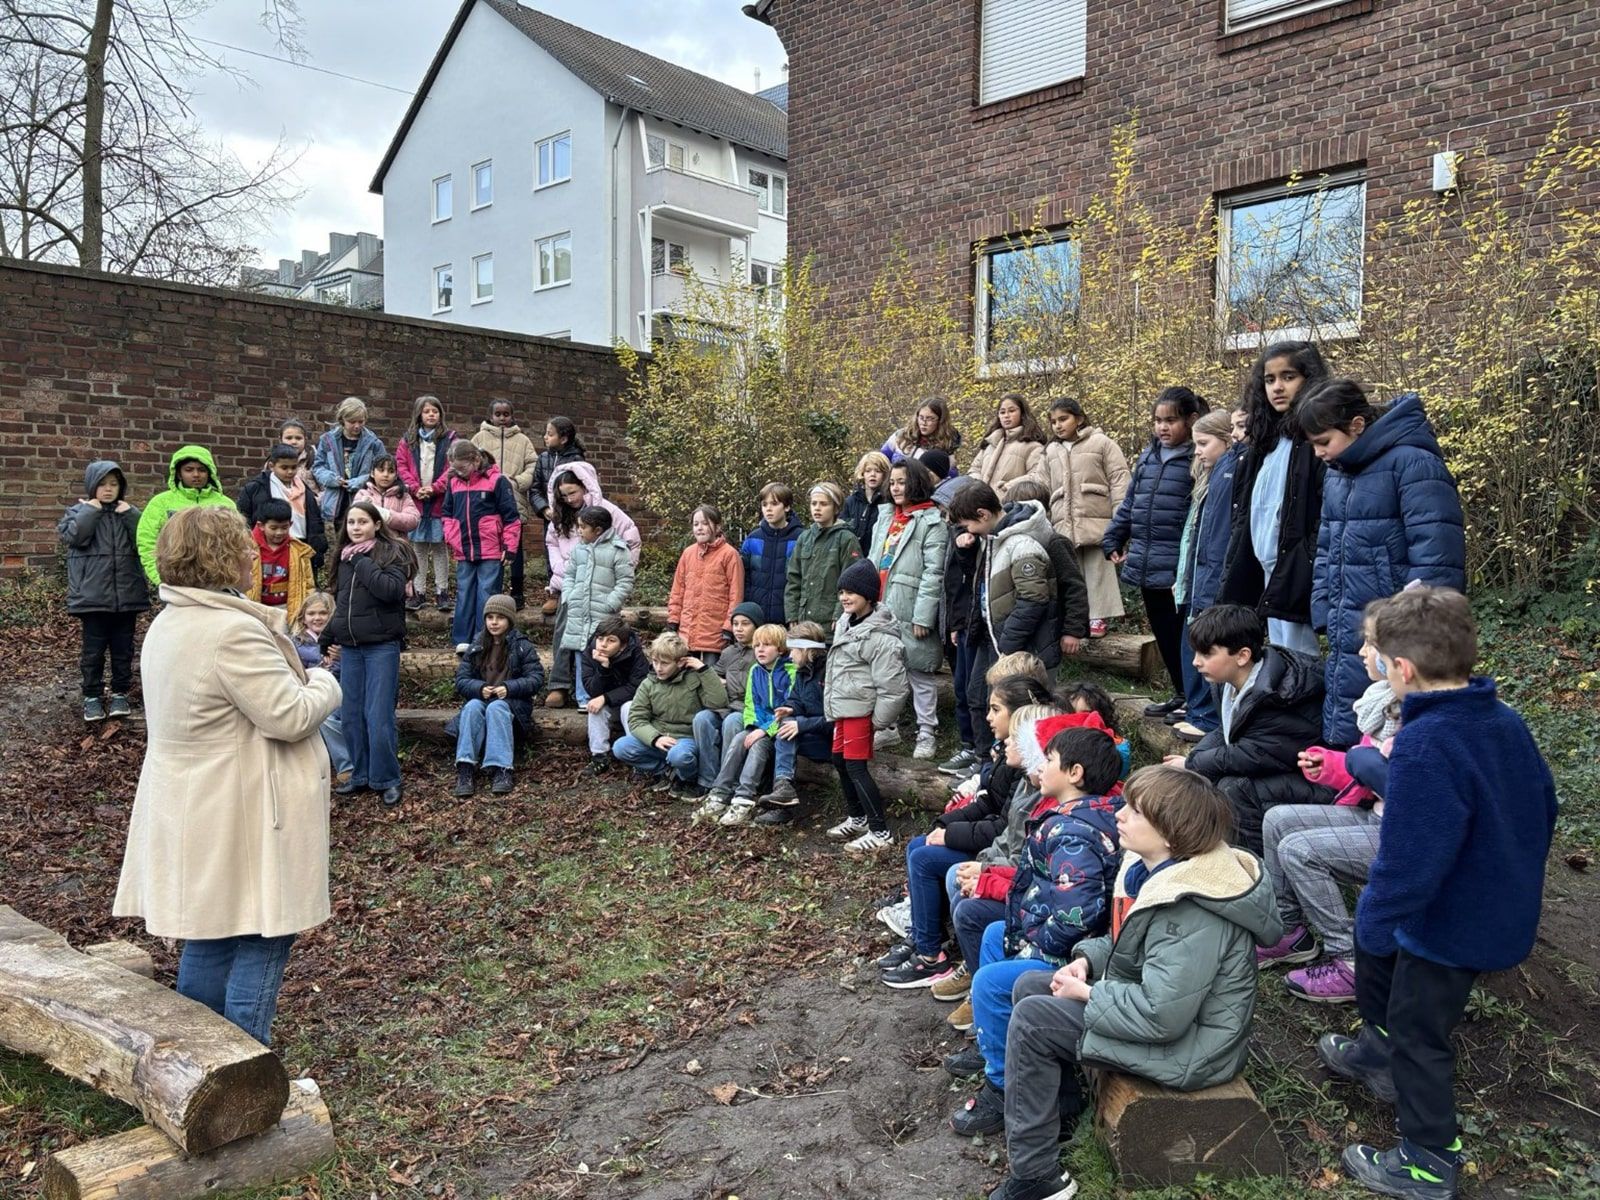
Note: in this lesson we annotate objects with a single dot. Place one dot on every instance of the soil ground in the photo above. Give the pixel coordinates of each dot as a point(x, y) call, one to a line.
point(571, 993)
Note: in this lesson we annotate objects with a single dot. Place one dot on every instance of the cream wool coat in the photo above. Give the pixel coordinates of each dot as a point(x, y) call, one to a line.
point(1004, 458)
point(229, 833)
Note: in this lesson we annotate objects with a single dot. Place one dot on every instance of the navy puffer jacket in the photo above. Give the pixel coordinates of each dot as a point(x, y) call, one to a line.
point(1390, 515)
point(1208, 545)
point(1149, 521)
point(766, 554)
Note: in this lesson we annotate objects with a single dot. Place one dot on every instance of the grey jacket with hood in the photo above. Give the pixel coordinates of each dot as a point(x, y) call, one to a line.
point(103, 569)
point(866, 673)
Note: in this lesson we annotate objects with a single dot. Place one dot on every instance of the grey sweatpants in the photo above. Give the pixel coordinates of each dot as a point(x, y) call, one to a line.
point(1311, 849)
point(1042, 1043)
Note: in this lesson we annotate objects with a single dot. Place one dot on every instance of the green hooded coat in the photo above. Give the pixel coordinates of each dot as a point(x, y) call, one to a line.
point(163, 504)
point(811, 591)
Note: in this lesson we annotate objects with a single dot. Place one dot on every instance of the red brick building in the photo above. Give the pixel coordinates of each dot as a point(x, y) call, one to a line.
point(948, 123)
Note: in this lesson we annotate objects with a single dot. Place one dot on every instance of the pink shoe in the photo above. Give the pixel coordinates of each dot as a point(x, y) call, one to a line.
point(1097, 627)
point(1296, 946)
point(1330, 982)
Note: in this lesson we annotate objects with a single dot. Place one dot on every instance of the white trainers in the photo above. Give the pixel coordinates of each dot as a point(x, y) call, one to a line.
point(885, 738)
point(870, 843)
point(925, 746)
point(848, 828)
point(710, 810)
point(897, 917)
point(740, 812)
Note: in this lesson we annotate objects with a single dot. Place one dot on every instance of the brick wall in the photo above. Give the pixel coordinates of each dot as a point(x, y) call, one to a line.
point(103, 366)
point(887, 140)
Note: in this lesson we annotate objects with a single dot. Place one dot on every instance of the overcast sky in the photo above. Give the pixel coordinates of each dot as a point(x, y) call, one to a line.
point(343, 127)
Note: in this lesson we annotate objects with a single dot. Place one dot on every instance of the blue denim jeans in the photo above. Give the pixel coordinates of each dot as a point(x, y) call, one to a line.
point(926, 869)
point(237, 978)
point(475, 583)
point(971, 918)
point(370, 677)
point(713, 731)
point(683, 758)
point(991, 998)
point(338, 749)
point(1201, 708)
point(487, 734)
point(816, 747)
point(572, 657)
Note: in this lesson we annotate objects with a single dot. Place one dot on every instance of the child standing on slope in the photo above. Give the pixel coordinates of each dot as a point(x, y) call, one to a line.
point(513, 453)
point(386, 492)
point(827, 547)
point(483, 529)
point(422, 459)
point(1201, 554)
point(767, 549)
point(191, 481)
point(106, 588)
point(707, 586)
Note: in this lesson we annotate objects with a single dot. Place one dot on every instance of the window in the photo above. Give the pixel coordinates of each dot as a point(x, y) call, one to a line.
point(772, 192)
point(662, 153)
point(1027, 294)
point(554, 160)
point(553, 261)
point(1026, 45)
point(334, 293)
point(443, 198)
point(1245, 14)
point(668, 256)
point(443, 288)
point(483, 185)
point(766, 281)
point(1289, 261)
point(482, 278)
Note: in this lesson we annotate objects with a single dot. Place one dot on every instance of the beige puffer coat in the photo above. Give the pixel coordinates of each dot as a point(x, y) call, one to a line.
point(1087, 478)
point(1004, 458)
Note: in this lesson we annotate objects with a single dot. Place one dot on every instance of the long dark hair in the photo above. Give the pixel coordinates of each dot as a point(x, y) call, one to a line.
point(568, 432)
point(391, 548)
point(442, 435)
point(1333, 404)
point(387, 460)
point(1029, 430)
point(1264, 425)
point(945, 436)
point(566, 517)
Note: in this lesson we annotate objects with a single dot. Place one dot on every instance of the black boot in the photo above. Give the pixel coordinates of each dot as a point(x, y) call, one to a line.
point(503, 781)
point(465, 784)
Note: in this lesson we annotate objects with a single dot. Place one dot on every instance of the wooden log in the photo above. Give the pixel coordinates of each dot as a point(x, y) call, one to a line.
point(1151, 733)
point(1159, 1137)
point(142, 1164)
point(197, 1078)
point(898, 776)
point(125, 955)
point(1135, 655)
point(644, 618)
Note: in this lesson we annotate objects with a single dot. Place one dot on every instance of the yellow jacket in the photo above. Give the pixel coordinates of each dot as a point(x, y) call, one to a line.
point(302, 581)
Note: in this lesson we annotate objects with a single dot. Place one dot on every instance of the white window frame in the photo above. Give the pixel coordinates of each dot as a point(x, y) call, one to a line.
point(769, 293)
point(1271, 13)
point(1032, 24)
point(334, 293)
point(478, 296)
point(486, 165)
point(981, 299)
point(1334, 332)
point(437, 308)
point(551, 241)
point(539, 182)
point(766, 206)
point(668, 146)
point(434, 193)
point(667, 267)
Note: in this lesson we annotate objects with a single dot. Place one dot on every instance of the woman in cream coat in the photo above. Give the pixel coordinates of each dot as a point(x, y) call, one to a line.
point(228, 842)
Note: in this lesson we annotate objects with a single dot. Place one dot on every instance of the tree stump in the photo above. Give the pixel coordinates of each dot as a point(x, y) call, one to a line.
point(142, 1164)
point(197, 1078)
point(1160, 1137)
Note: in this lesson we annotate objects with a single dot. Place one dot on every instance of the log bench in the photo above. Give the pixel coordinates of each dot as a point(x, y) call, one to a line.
point(644, 618)
point(1161, 1137)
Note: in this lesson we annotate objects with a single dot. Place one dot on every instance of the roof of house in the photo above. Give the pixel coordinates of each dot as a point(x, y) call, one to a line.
point(777, 95)
point(623, 76)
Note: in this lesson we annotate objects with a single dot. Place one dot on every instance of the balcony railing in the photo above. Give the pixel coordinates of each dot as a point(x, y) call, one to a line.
point(714, 204)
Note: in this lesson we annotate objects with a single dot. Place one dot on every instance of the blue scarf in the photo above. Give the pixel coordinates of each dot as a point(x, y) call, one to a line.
point(1139, 874)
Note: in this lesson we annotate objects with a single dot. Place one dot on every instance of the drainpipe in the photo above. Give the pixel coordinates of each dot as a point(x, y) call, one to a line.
point(622, 126)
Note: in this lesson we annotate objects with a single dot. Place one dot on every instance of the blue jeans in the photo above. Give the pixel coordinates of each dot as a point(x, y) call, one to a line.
point(713, 731)
point(991, 998)
point(1201, 708)
point(572, 656)
point(816, 747)
point(475, 583)
point(338, 749)
point(926, 868)
point(971, 918)
point(487, 734)
point(237, 978)
point(694, 758)
point(370, 677)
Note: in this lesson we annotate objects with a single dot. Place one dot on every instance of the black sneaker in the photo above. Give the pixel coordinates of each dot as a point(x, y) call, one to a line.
point(94, 709)
point(390, 796)
point(962, 762)
point(465, 780)
point(599, 764)
point(1176, 715)
point(899, 954)
point(663, 782)
point(119, 706)
point(775, 816)
point(984, 1113)
point(1049, 1188)
point(503, 781)
point(964, 1063)
point(1164, 707)
point(1365, 1059)
point(889, 901)
point(782, 795)
point(685, 789)
point(918, 972)
point(1409, 1170)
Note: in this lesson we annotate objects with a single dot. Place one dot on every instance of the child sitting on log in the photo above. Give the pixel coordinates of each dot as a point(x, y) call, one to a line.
point(1168, 995)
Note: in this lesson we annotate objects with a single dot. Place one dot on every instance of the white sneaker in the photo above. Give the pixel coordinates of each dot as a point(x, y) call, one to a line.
point(925, 746)
point(848, 828)
point(885, 738)
point(897, 917)
point(740, 812)
point(869, 843)
point(463, 647)
point(710, 810)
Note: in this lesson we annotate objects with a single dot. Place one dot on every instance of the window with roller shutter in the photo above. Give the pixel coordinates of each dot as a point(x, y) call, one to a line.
point(1247, 14)
point(1027, 45)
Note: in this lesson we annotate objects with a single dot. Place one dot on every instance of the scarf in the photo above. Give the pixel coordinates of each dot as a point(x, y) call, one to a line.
point(1372, 711)
point(355, 548)
point(891, 538)
point(295, 495)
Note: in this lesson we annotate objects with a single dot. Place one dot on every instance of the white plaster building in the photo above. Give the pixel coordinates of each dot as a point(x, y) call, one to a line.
point(550, 181)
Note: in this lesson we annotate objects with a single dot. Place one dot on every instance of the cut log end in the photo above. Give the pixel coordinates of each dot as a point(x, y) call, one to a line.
point(125, 955)
point(1159, 1137)
point(232, 1102)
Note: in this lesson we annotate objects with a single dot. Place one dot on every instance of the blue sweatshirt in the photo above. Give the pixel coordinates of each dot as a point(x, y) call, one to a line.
point(1467, 824)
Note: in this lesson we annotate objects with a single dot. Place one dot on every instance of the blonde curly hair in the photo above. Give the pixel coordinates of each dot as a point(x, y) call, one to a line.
point(203, 547)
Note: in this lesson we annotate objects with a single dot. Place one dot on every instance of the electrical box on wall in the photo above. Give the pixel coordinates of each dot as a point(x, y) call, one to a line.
point(1447, 170)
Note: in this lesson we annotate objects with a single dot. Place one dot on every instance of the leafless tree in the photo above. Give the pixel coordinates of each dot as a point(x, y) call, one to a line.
point(102, 162)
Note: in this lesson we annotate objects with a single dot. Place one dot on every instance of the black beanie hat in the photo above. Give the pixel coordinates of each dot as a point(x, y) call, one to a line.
point(937, 461)
point(861, 578)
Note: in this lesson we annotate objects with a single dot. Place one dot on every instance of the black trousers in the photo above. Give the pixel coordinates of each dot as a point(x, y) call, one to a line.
point(1167, 626)
point(861, 795)
point(511, 577)
point(1418, 1003)
point(981, 655)
point(103, 632)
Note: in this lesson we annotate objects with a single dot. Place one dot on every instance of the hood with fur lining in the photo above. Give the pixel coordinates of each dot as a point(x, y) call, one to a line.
point(1226, 880)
